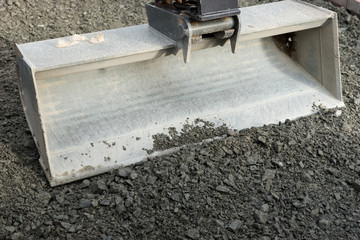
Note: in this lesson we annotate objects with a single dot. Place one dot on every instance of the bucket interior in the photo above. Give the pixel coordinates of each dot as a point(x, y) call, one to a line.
point(106, 117)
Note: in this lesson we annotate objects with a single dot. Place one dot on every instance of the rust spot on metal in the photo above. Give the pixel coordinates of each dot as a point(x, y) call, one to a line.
point(286, 43)
point(250, 26)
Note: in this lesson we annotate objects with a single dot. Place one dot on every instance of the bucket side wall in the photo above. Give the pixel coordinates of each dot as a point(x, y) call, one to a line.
point(331, 57)
point(317, 51)
point(29, 99)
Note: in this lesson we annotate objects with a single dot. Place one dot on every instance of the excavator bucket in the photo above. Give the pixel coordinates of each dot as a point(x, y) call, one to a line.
point(95, 107)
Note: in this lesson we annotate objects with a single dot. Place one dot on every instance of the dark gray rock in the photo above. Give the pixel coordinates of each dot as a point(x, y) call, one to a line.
point(235, 225)
point(223, 189)
point(193, 233)
point(151, 179)
point(85, 183)
point(219, 223)
point(43, 197)
point(306, 176)
point(337, 196)
point(124, 172)
point(137, 212)
point(232, 133)
point(277, 146)
point(262, 140)
point(129, 201)
point(65, 225)
point(183, 168)
point(265, 208)
point(94, 203)
point(84, 203)
point(17, 236)
point(133, 175)
point(268, 175)
point(120, 208)
point(252, 160)
point(11, 229)
point(324, 223)
point(105, 202)
point(175, 197)
point(261, 217)
point(101, 185)
point(356, 185)
point(187, 196)
point(60, 198)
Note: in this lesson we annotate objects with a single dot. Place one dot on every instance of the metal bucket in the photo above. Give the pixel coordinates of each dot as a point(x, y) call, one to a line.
point(92, 108)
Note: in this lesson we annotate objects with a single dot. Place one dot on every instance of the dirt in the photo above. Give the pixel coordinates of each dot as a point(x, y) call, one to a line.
point(297, 180)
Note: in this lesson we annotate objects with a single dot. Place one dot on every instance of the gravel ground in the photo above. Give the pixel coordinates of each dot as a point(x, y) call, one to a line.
point(297, 180)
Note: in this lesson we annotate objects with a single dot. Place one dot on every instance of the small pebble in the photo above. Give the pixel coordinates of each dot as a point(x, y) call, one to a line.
point(44, 197)
point(101, 185)
point(338, 113)
point(356, 185)
point(320, 153)
point(60, 198)
point(265, 208)
point(261, 217)
point(232, 133)
point(219, 223)
point(10, 229)
point(262, 140)
point(184, 168)
point(235, 225)
point(105, 202)
point(129, 201)
point(222, 189)
point(346, 127)
point(323, 223)
point(94, 203)
point(175, 197)
point(84, 203)
point(301, 164)
point(85, 183)
point(124, 172)
point(133, 175)
point(268, 175)
point(337, 196)
point(192, 233)
point(307, 177)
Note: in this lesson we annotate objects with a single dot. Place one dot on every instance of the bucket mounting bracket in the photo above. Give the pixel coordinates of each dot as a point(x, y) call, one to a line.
point(187, 26)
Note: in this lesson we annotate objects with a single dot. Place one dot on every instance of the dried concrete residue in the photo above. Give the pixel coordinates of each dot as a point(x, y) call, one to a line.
point(73, 40)
point(76, 39)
